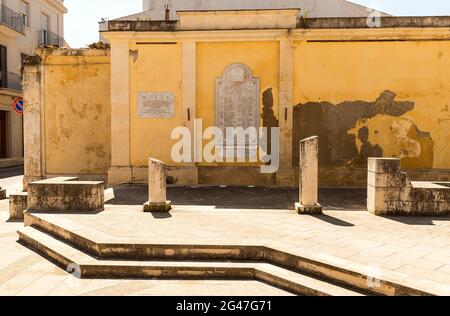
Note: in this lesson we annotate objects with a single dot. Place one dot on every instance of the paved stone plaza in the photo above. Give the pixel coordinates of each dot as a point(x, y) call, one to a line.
point(413, 251)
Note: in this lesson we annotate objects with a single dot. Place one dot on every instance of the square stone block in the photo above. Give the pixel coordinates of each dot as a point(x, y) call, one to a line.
point(308, 210)
point(57, 195)
point(17, 205)
point(384, 165)
point(2, 194)
point(382, 208)
point(388, 180)
point(157, 207)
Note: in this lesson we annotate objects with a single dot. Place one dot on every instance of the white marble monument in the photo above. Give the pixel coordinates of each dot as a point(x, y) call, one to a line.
point(309, 177)
point(157, 187)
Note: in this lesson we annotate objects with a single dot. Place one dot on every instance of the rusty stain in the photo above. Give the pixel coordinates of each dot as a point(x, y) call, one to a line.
point(97, 148)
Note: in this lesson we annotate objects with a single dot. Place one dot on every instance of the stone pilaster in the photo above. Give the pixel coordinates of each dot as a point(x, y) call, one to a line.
point(286, 173)
point(188, 173)
point(120, 171)
point(34, 138)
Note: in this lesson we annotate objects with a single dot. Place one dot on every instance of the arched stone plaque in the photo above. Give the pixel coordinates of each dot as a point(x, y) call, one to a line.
point(237, 100)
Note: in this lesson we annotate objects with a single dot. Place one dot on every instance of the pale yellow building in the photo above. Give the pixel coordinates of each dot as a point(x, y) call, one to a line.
point(24, 24)
point(366, 87)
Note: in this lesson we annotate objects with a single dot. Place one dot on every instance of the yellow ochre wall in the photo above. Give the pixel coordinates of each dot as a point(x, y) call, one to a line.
point(77, 114)
point(155, 68)
point(417, 72)
point(362, 97)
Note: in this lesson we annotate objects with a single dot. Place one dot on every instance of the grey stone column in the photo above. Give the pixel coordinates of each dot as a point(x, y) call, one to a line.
point(309, 177)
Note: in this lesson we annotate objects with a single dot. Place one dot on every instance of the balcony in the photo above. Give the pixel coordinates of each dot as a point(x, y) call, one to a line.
point(10, 80)
point(12, 23)
point(47, 38)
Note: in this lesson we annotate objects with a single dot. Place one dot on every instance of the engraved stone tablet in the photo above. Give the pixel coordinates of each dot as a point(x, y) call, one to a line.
point(237, 100)
point(156, 104)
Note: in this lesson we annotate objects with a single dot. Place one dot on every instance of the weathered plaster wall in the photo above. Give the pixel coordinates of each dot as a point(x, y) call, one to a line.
point(380, 98)
point(154, 68)
point(77, 112)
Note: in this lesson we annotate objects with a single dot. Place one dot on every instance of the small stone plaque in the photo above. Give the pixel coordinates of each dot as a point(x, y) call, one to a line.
point(156, 104)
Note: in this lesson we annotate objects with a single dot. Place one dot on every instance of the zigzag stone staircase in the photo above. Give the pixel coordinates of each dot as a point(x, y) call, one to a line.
point(63, 244)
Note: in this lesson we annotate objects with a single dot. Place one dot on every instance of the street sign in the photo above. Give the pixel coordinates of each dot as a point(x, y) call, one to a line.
point(18, 105)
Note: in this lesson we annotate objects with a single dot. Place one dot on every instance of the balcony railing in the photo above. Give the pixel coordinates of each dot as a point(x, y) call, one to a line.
point(12, 19)
point(10, 80)
point(47, 38)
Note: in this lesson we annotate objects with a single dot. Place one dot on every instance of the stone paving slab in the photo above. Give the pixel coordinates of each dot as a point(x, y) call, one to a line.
point(25, 273)
point(417, 249)
point(413, 249)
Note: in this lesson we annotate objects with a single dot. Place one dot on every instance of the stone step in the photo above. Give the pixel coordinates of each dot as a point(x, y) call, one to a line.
point(88, 266)
point(104, 246)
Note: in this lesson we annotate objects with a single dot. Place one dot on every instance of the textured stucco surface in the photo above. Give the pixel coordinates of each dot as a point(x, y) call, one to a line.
point(77, 114)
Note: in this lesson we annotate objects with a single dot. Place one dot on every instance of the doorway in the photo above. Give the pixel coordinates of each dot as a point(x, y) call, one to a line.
point(3, 134)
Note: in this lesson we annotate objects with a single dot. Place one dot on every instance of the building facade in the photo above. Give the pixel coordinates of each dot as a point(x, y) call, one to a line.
point(24, 25)
point(157, 9)
point(366, 90)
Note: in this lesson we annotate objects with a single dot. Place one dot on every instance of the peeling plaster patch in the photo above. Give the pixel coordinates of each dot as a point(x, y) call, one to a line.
point(407, 147)
point(332, 123)
point(426, 157)
point(400, 138)
point(134, 53)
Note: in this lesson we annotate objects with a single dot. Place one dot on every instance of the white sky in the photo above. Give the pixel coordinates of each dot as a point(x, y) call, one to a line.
point(81, 23)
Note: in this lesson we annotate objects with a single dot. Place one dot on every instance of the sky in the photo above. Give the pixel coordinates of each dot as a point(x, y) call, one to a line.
point(81, 23)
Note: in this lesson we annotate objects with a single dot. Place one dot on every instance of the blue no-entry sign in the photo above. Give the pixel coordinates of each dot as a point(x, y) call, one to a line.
point(18, 105)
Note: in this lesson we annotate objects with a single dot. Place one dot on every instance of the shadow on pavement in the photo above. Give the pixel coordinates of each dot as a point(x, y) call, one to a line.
point(243, 197)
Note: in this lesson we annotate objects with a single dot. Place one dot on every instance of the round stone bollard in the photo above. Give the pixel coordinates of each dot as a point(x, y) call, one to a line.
point(157, 188)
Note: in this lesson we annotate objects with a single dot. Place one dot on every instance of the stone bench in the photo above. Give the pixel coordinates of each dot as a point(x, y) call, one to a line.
point(17, 205)
point(66, 194)
point(391, 192)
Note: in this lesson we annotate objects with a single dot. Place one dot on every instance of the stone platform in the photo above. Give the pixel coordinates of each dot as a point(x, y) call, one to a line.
point(208, 236)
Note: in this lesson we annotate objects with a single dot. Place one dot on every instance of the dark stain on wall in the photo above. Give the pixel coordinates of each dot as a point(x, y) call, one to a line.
point(268, 116)
point(367, 149)
point(333, 122)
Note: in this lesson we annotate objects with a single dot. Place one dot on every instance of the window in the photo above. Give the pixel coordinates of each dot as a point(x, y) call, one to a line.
point(24, 10)
point(3, 67)
point(45, 22)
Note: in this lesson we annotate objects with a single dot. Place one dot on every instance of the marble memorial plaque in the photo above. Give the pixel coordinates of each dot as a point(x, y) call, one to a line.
point(237, 99)
point(156, 104)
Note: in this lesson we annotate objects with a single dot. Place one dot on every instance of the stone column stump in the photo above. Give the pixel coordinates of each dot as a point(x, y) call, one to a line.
point(17, 205)
point(157, 187)
point(309, 174)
